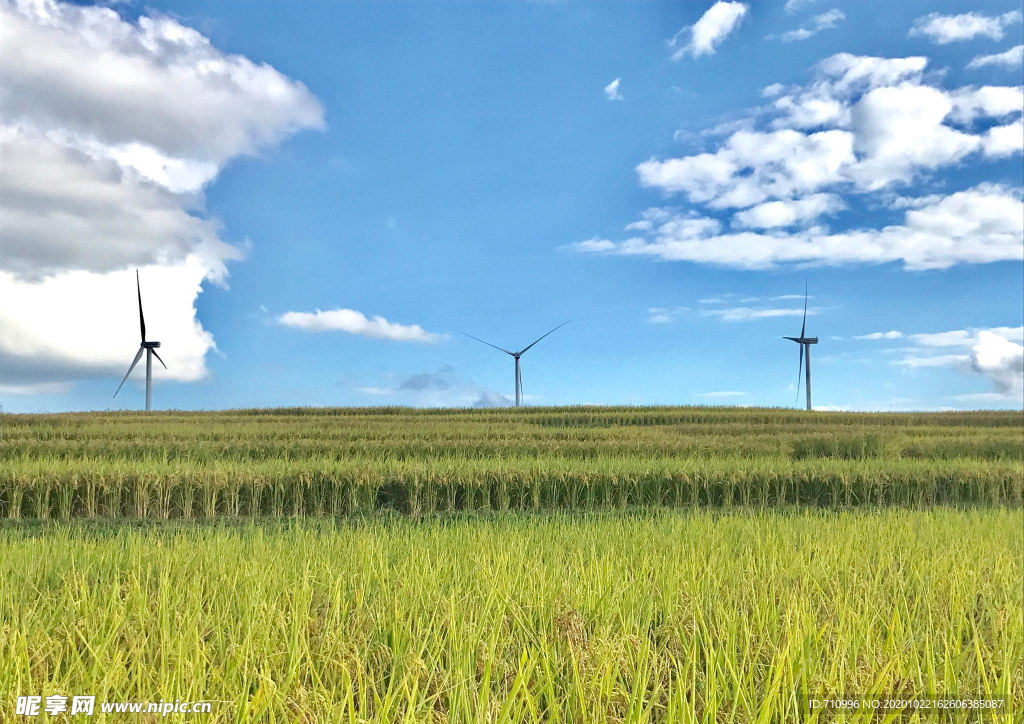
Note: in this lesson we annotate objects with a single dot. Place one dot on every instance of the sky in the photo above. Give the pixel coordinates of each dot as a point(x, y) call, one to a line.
point(320, 197)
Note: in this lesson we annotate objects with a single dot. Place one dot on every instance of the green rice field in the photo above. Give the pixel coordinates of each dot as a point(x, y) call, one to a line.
point(538, 565)
point(339, 462)
point(646, 616)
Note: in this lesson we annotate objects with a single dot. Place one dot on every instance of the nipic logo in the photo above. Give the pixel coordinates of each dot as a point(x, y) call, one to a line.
point(33, 706)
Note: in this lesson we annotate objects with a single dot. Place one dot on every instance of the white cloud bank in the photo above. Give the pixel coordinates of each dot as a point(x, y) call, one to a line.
point(109, 131)
point(710, 30)
point(983, 224)
point(943, 29)
point(863, 126)
point(353, 322)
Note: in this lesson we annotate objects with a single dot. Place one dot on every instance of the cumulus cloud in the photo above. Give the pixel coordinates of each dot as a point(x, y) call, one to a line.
point(611, 91)
point(109, 132)
point(942, 29)
point(774, 214)
point(863, 126)
point(704, 36)
point(353, 322)
point(61, 209)
point(81, 324)
point(1002, 361)
point(149, 91)
point(1012, 58)
point(723, 393)
point(979, 225)
point(824, 21)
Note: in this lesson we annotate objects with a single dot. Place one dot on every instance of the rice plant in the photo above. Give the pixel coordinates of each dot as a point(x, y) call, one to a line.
point(420, 462)
point(643, 616)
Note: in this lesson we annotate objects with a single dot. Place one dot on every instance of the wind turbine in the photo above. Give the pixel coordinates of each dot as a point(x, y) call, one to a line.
point(805, 343)
point(517, 355)
point(149, 348)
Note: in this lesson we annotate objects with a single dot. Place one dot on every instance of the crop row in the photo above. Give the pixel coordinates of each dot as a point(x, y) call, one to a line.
point(158, 489)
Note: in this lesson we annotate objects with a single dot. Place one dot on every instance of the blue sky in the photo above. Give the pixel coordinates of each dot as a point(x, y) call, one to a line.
point(460, 166)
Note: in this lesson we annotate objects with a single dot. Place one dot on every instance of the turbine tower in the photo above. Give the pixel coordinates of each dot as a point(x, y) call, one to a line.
point(516, 356)
point(805, 343)
point(149, 348)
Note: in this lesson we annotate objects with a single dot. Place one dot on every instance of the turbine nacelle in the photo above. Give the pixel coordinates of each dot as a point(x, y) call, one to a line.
point(151, 345)
point(803, 340)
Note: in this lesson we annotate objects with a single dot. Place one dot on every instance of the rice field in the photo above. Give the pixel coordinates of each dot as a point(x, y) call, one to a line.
point(640, 616)
point(330, 462)
point(577, 565)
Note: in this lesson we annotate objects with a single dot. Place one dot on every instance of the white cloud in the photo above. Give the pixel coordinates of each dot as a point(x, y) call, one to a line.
point(997, 353)
point(941, 360)
point(863, 126)
point(665, 315)
point(966, 337)
point(109, 132)
point(712, 28)
point(753, 167)
point(746, 314)
point(155, 88)
point(723, 393)
point(1012, 58)
point(353, 322)
point(1002, 361)
point(1002, 141)
point(981, 397)
point(979, 225)
point(611, 91)
point(878, 125)
point(824, 21)
point(944, 29)
point(61, 209)
point(881, 335)
point(81, 324)
point(775, 214)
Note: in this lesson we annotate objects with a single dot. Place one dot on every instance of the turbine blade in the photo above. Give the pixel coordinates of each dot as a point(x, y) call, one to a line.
point(523, 350)
point(142, 319)
point(158, 357)
point(138, 356)
point(489, 344)
point(803, 327)
point(799, 373)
